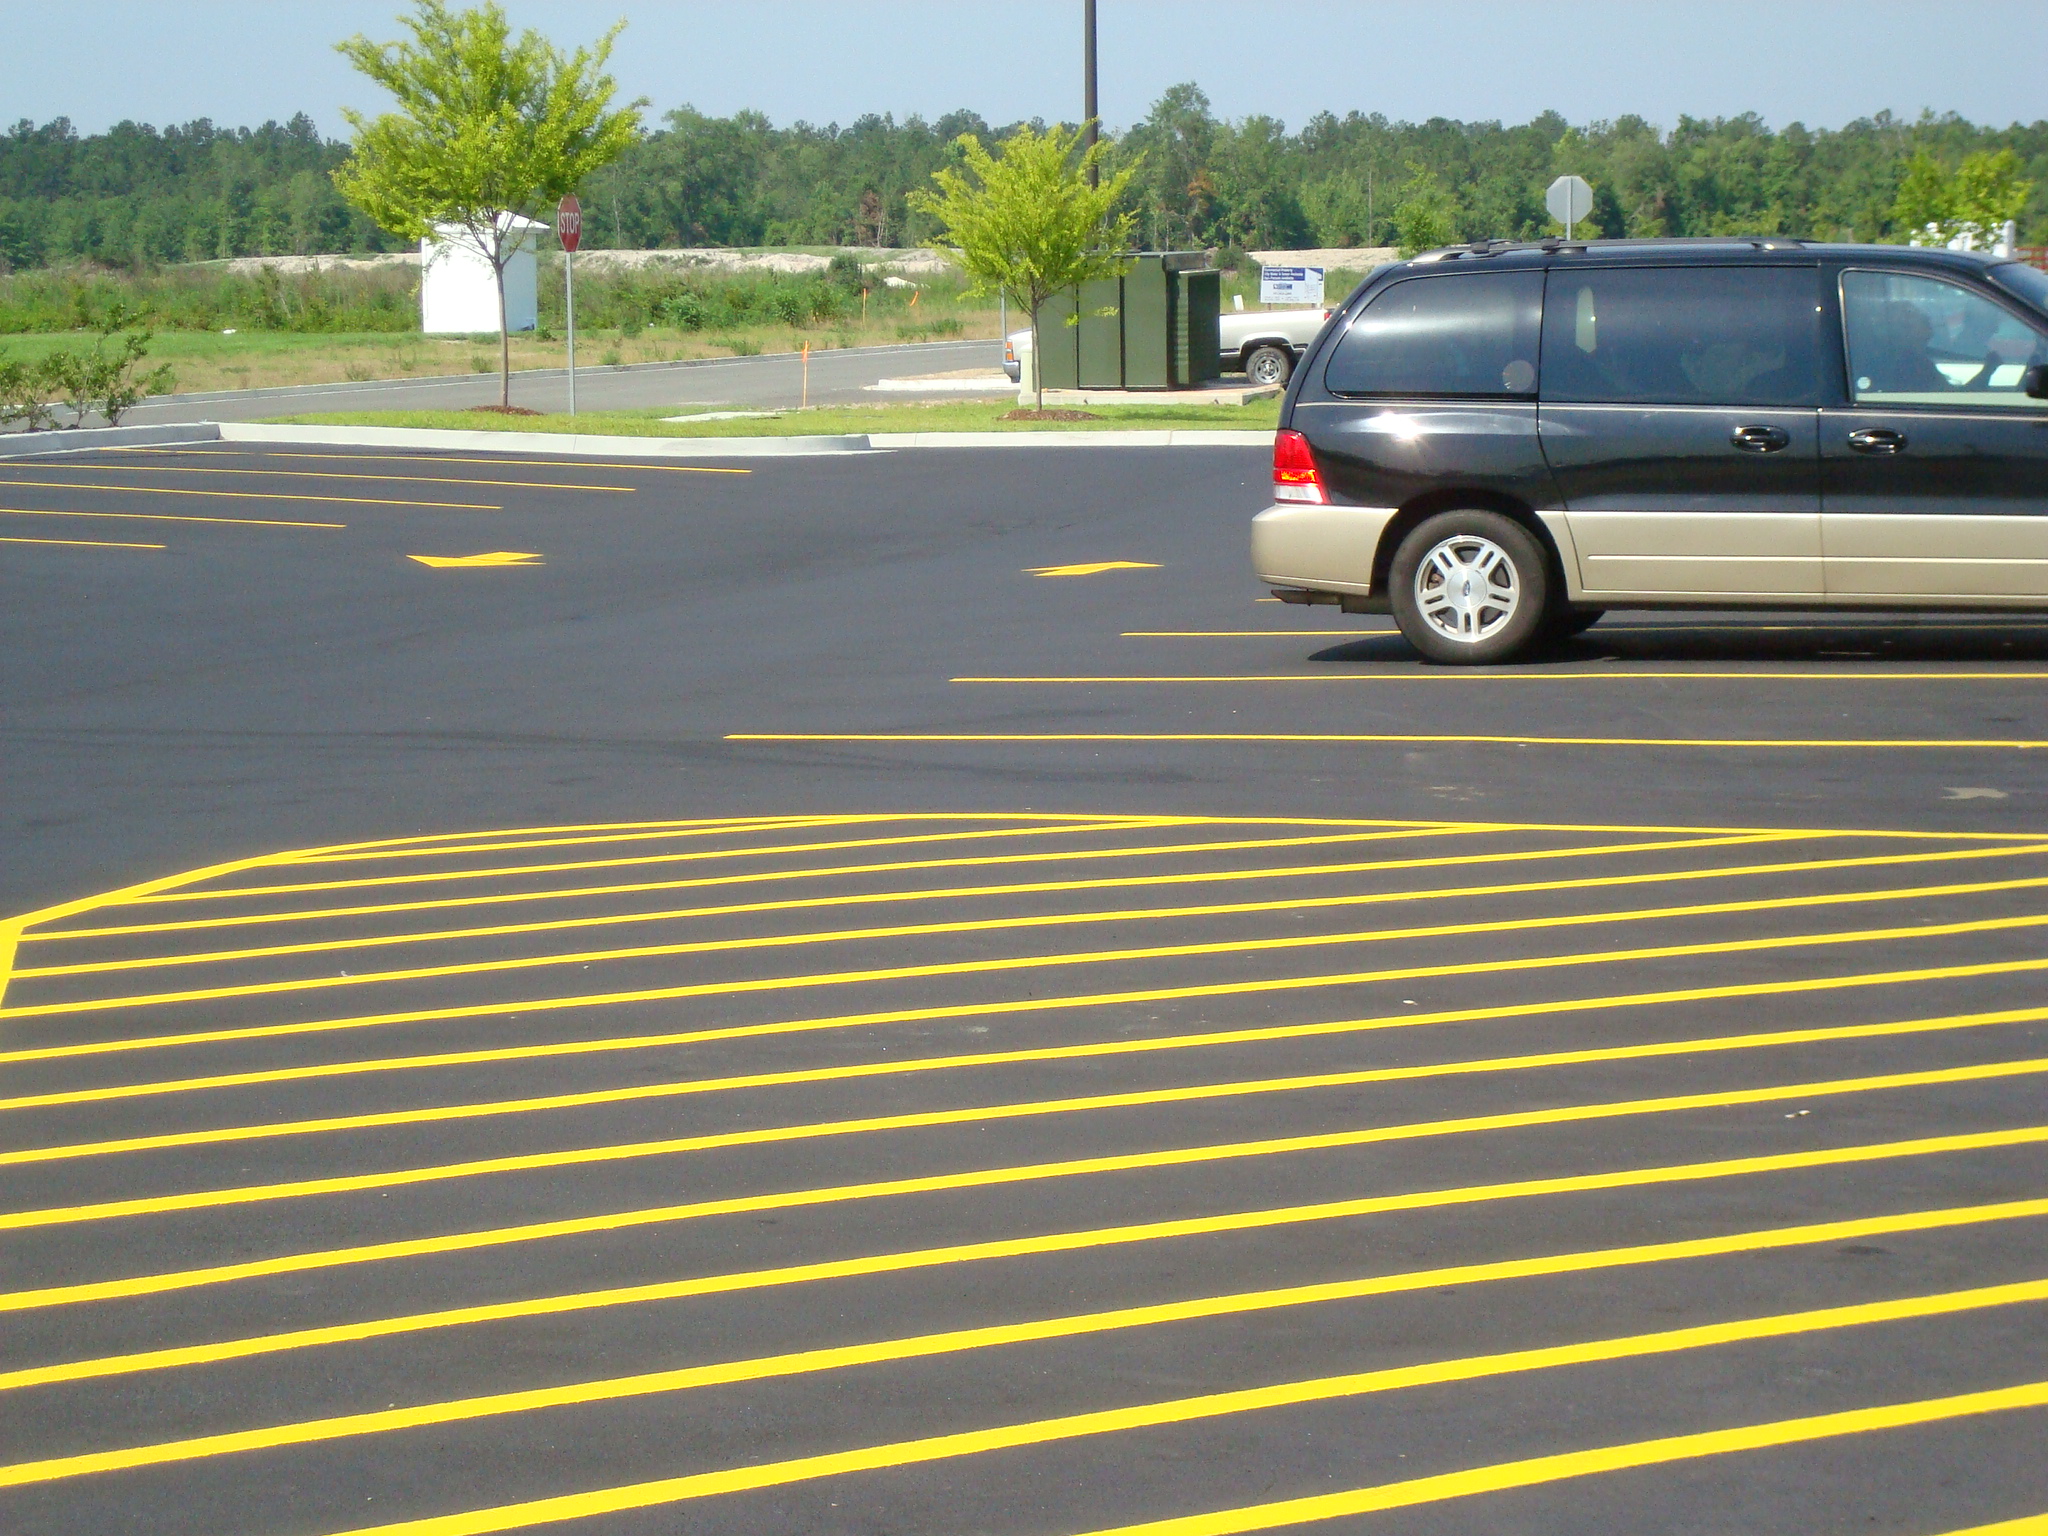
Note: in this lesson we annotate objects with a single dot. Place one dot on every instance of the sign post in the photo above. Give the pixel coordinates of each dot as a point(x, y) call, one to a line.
point(1569, 200)
point(1291, 285)
point(569, 230)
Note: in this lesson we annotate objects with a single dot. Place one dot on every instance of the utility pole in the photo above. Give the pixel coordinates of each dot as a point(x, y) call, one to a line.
point(1089, 110)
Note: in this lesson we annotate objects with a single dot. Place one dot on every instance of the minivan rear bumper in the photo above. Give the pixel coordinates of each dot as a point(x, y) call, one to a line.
point(1321, 548)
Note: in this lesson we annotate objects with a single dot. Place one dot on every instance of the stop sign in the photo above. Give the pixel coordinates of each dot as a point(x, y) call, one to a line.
point(569, 222)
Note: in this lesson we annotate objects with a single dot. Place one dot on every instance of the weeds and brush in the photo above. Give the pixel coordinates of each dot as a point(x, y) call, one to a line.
point(102, 380)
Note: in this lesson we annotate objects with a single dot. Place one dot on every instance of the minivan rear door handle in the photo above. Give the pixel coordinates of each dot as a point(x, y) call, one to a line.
point(1878, 440)
point(1760, 439)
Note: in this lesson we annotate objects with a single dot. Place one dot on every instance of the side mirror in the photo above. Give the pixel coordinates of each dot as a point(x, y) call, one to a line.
point(2034, 382)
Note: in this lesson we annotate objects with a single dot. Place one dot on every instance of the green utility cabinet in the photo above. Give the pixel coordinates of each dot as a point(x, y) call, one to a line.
point(1153, 328)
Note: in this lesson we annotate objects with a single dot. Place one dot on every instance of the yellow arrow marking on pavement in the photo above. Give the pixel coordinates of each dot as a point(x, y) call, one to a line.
point(495, 557)
point(1094, 569)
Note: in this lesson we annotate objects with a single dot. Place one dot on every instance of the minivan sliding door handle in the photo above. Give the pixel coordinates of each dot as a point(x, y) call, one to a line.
point(1760, 439)
point(1878, 440)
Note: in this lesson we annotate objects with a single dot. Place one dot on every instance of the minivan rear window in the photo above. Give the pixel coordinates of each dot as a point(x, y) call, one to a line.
point(1682, 335)
point(1462, 335)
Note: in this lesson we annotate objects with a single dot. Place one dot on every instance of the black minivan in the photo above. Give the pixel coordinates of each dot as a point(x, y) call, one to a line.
point(1497, 443)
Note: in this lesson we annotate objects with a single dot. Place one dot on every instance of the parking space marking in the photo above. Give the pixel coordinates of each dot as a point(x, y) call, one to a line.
point(168, 517)
point(1749, 675)
point(447, 458)
point(1095, 569)
point(1385, 738)
point(171, 490)
point(326, 474)
point(1173, 1411)
point(1536, 1470)
point(1202, 917)
point(76, 544)
point(495, 559)
point(675, 1490)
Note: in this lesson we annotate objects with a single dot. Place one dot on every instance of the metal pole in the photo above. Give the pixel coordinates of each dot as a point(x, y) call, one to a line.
point(569, 303)
point(1088, 106)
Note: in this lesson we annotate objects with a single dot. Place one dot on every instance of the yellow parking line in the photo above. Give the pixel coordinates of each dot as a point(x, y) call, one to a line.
point(165, 490)
point(592, 1098)
point(170, 517)
point(1061, 1242)
point(2026, 1525)
point(1499, 1478)
point(79, 543)
point(1125, 1046)
point(328, 474)
point(1081, 1325)
point(1444, 675)
point(1091, 1000)
point(1544, 1266)
point(434, 458)
point(946, 1447)
point(991, 965)
point(47, 1217)
point(1412, 739)
point(1319, 900)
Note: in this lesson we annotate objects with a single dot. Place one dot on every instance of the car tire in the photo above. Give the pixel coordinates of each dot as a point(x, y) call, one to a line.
point(1470, 588)
point(1268, 365)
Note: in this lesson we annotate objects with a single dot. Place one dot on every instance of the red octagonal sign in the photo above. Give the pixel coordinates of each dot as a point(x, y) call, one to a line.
point(569, 222)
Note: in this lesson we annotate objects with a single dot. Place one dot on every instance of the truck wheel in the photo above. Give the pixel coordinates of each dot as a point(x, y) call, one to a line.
point(1469, 588)
point(1268, 365)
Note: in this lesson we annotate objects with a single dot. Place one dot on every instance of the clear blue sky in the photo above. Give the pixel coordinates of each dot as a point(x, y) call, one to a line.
point(1822, 62)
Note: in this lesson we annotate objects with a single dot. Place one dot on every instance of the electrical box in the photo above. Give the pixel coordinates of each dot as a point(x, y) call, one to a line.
point(1153, 328)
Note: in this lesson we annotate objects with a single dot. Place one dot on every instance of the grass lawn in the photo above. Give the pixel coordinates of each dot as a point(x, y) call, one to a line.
point(949, 416)
point(206, 361)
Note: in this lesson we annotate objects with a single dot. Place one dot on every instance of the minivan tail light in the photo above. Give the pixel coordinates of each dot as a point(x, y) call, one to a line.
point(1295, 477)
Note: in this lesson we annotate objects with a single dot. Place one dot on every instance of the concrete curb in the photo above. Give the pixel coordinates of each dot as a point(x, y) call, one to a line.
point(22, 445)
point(564, 443)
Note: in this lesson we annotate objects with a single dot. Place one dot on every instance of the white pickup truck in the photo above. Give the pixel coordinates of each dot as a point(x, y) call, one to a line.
point(1261, 344)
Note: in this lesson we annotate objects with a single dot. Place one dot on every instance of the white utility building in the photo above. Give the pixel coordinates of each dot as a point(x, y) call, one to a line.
point(459, 294)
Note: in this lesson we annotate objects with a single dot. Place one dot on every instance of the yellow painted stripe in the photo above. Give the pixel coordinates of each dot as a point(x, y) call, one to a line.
point(79, 543)
point(328, 474)
point(165, 490)
point(1445, 675)
point(1542, 1266)
point(2026, 1525)
point(1731, 743)
point(581, 1157)
point(168, 517)
point(436, 458)
point(997, 1336)
point(1098, 999)
point(912, 894)
point(618, 1221)
point(1533, 1472)
point(1530, 1062)
point(1320, 901)
point(991, 965)
point(1126, 1046)
point(902, 1453)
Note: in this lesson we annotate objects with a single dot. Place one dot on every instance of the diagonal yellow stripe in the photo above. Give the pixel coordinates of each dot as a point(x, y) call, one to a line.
point(435, 458)
point(79, 543)
point(167, 517)
point(1003, 1335)
point(617, 1221)
point(674, 1490)
point(329, 474)
point(166, 490)
point(440, 1114)
point(575, 1157)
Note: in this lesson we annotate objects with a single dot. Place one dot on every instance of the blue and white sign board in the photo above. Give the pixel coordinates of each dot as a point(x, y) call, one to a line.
point(1290, 285)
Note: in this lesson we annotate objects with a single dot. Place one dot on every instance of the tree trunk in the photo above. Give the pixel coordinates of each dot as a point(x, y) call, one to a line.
point(504, 342)
point(1037, 357)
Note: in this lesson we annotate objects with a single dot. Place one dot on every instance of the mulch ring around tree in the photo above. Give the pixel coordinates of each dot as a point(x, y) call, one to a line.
point(505, 410)
point(1025, 414)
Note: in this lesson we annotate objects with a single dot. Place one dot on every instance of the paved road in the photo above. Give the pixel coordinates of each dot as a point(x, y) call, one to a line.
point(762, 1014)
point(744, 382)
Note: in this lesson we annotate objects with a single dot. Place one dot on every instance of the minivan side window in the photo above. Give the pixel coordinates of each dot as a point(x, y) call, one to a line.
point(1451, 335)
point(1681, 335)
point(1922, 341)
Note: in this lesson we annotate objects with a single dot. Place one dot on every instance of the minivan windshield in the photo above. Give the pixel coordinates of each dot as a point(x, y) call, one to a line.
point(2023, 282)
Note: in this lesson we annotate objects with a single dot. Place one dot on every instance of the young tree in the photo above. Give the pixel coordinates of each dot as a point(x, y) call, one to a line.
point(488, 130)
point(1027, 223)
point(1976, 199)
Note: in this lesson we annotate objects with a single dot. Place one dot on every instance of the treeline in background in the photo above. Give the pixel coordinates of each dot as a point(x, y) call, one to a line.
point(90, 220)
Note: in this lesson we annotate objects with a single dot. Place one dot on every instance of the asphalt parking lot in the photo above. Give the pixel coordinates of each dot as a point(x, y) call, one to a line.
point(896, 993)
